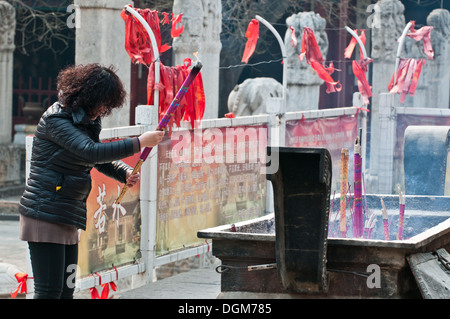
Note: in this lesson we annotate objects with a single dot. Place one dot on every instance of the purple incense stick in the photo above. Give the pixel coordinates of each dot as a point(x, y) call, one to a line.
point(385, 220)
point(401, 215)
point(358, 219)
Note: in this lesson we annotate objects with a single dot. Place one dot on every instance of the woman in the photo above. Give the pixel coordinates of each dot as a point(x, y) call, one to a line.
point(66, 147)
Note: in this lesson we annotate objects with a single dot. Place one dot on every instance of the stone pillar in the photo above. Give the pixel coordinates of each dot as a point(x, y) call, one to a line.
point(303, 83)
point(387, 26)
point(387, 124)
point(100, 38)
point(10, 155)
point(434, 84)
point(7, 30)
point(202, 24)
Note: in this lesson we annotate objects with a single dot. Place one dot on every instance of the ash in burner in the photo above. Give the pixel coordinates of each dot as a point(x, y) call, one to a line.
point(261, 227)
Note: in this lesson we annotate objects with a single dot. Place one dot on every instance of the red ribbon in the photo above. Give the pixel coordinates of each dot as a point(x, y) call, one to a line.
point(192, 106)
point(165, 18)
point(424, 34)
point(137, 39)
point(359, 70)
point(324, 74)
point(408, 74)
point(105, 288)
point(230, 115)
point(349, 50)
point(175, 32)
point(94, 293)
point(310, 50)
point(360, 67)
point(252, 35)
point(293, 37)
point(21, 278)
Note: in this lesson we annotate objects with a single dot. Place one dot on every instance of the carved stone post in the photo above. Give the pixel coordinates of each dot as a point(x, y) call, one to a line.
point(302, 82)
point(434, 84)
point(100, 38)
point(10, 154)
point(387, 27)
point(202, 21)
point(7, 30)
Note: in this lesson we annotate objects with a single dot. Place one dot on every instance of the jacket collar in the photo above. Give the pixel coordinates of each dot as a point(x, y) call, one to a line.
point(80, 117)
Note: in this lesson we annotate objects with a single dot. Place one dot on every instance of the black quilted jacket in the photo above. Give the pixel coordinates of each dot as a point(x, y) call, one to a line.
point(65, 148)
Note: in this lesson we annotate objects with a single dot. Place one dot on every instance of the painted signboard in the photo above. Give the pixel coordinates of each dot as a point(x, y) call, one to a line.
point(333, 134)
point(112, 235)
point(206, 178)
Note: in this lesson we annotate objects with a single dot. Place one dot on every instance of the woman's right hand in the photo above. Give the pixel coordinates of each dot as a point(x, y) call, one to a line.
point(151, 138)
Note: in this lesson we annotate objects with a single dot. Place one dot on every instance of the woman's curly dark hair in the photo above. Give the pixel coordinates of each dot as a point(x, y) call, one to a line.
point(90, 87)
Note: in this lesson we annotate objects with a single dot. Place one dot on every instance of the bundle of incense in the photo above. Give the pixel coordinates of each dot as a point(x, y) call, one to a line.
point(343, 190)
point(358, 216)
point(401, 214)
point(385, 220)
point(369, 225)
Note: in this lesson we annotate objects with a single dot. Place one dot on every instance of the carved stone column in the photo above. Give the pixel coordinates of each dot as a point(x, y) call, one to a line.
point(434, 84)
point(100, 38)
point(10, 154)
point(7, 31)
point(387, 27)
point(302, 81)
point(202, 24)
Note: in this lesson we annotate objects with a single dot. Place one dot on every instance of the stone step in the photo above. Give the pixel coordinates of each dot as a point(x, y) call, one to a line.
point(9, 208)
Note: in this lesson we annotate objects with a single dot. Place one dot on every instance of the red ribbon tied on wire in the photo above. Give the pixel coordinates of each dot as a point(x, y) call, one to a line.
point(424, 34)
point(409, 69)
point(408, 74)
point(252, 35)
point(192, 105)
point(22, 287)
point(137, 40)
point(310, 50)
point(350, 48)
point(359, 70)
point(293, 37)
point(360, 67)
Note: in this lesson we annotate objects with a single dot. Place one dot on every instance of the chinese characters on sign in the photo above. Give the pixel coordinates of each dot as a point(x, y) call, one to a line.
point(208, 178)
point(113, 230)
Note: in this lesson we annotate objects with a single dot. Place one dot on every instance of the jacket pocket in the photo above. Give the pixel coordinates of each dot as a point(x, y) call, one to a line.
point(74, 187)
point(58, 186)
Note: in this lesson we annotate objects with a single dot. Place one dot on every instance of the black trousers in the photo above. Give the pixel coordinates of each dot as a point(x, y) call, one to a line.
point(54, 269)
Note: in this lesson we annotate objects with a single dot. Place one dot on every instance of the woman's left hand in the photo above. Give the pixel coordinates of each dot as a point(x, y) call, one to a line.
point(132, 179)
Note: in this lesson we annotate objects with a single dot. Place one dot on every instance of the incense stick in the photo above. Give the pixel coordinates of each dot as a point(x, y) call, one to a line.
point(401, 214)
point(343, 191)
point(368, 225)
point(358, 219)
point(385, 220)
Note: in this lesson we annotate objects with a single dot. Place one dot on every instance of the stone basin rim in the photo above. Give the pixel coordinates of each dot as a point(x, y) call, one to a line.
point(416, 242)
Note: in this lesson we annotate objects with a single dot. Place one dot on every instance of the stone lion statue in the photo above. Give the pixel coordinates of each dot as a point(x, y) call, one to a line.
point(250, 97)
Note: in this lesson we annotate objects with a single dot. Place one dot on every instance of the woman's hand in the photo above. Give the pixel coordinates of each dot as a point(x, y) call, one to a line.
point(147, 139)
point(151, 139)
point(132, 179)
